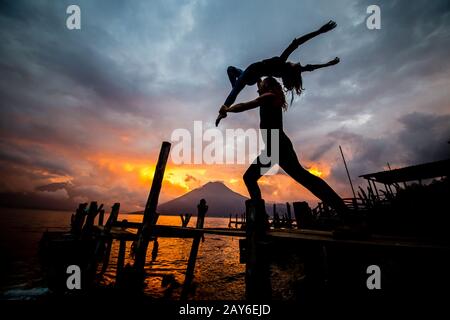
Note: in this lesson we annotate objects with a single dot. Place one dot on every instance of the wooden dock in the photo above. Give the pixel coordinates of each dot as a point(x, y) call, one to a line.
point(259, 241)
point(301, 236)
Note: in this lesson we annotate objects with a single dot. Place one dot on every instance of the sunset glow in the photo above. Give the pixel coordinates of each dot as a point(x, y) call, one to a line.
point(315, 171)
point(224, 159)
point(93, 129)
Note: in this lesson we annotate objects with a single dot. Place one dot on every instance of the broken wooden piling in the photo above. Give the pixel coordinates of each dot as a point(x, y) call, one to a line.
point(77, 219)
point(150, 216)
point(202, 209)
point(120, 260)
point(93, 211)
point(106, 242)
point(101, 217)
point(302, 214)
point(288, 215)
point(257, 273)
point(185, 218)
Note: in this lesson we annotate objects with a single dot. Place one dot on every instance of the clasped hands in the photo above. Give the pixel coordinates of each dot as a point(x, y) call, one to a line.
point(222, 114)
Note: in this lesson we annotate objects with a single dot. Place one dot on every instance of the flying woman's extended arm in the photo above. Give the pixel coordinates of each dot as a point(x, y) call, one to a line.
point(330, 25)
point(312, 67)
point(241, 107)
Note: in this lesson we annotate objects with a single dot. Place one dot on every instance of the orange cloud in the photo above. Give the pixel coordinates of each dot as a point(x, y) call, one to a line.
point(135, 174)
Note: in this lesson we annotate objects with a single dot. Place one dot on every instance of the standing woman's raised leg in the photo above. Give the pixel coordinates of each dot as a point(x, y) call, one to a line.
point(290, 164)
point(251, 177)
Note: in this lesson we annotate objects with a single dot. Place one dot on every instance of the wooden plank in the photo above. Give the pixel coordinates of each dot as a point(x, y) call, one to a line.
point(275, 234)
point(176, 232)
point(374, 241)
point(128, 224)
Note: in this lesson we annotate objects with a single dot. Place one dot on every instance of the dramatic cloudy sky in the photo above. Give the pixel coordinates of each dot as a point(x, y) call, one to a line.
point(83, 113)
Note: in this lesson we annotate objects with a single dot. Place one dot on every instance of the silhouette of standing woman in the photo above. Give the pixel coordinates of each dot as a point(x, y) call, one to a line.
point(271, 103)
point(290, 73)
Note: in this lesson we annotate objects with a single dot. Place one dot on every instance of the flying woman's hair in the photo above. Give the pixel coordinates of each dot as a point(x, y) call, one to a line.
point(292, 79)
point(271, 84)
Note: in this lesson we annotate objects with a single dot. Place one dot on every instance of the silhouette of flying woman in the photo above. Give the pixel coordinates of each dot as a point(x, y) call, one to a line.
point(271, 103)
point(279, 67)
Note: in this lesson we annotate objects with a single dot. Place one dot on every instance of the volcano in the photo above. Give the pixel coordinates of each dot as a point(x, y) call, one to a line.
point(222, 201)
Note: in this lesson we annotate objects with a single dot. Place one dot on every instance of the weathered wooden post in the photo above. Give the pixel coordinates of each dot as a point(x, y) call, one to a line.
point(289, 215)
point(257, 272)
point(155, 249)
point(120, 261)
point(302, 214)
point(77, 219)
point(112, 217)
point(106, 233)
point(355, 203)
point(94, 209)
point(276, 217)
point(150, 215)
point(185, 219)
point(202, 209)
point(101, 217)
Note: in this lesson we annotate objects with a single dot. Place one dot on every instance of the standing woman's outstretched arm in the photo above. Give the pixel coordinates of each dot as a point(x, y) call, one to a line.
point(330, 25)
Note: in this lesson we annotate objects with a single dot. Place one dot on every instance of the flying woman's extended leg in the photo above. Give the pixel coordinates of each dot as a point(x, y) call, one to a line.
point(290, 164)
point(239, 84)
point(239, 79)
point(233, 74)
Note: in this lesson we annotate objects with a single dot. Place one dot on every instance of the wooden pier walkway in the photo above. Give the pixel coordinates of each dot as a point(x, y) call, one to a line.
point(256, 247)
point(295, 235)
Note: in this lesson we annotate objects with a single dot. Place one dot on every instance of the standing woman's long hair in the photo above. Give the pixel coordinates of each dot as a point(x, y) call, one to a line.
point(275, 87)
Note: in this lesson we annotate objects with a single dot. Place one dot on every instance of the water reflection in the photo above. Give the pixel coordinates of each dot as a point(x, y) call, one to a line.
point(218, 274)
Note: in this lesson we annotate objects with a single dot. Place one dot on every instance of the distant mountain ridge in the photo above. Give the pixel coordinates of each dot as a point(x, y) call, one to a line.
point(221, 200)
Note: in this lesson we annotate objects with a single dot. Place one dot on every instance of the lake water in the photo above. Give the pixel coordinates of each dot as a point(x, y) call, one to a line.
point(218, 273)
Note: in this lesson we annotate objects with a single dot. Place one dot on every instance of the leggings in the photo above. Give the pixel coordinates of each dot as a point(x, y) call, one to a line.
point(239, 79)
point(288, 161)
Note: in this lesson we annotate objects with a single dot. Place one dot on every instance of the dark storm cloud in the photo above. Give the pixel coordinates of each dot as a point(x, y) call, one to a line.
point(422, 138)
point(42, 54)
point(385, 69)
point(320, 150)
point(52, 186)
point(33, 157)
point(425, 137)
